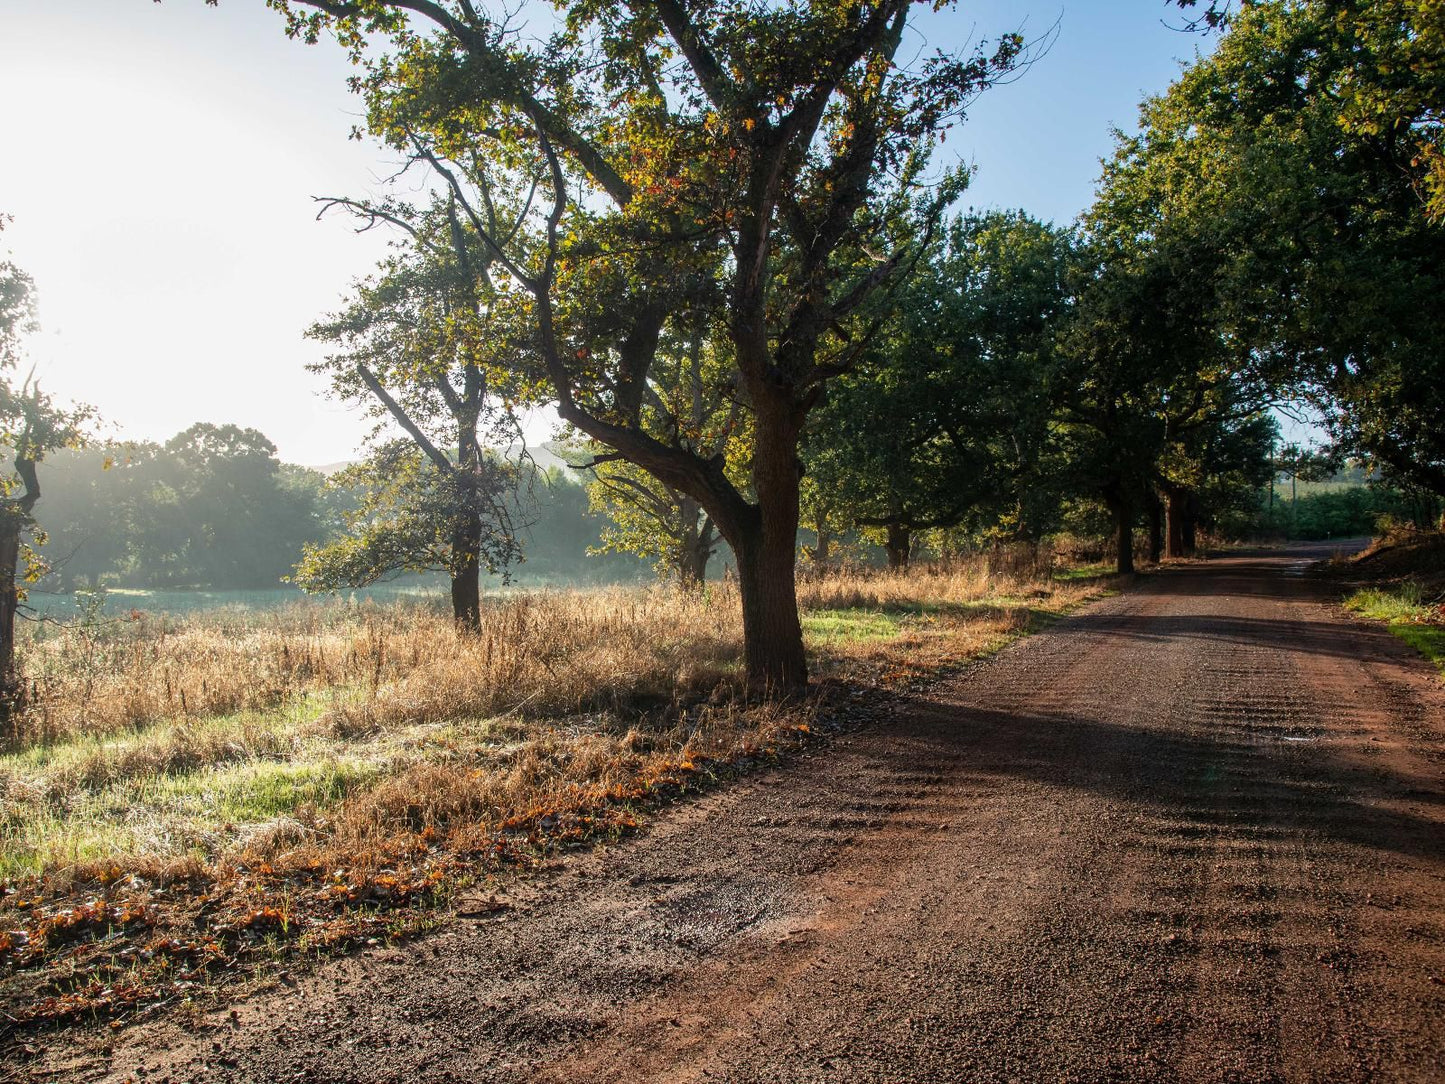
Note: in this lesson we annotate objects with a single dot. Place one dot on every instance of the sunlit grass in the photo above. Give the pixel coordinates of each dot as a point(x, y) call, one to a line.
point(830, 627)
point(151, 741)
point(180, 815)
point(1411, 616)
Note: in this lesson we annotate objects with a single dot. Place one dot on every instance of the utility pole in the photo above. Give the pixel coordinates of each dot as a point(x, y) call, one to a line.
point(1273, 470)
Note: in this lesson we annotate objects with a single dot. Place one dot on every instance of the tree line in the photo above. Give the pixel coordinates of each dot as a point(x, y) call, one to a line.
point(215, 508)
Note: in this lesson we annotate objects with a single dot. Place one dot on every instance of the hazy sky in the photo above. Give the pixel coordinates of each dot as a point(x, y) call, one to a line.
point(160, 162)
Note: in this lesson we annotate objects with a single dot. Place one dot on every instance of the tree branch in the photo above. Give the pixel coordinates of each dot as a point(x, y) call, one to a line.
point(404, 420)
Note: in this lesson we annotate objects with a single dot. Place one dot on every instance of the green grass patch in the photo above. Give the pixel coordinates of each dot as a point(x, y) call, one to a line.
point(198, 813)
point(1407, 614)
point(1428, 640)
point(259, 790)
point(1084, 572)
point(852, 626)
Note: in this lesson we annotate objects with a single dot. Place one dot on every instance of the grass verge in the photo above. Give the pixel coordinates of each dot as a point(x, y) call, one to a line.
point(1408, 613)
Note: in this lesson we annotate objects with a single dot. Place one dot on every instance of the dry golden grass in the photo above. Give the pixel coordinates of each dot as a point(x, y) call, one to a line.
point(150, 743)
point(562, 649)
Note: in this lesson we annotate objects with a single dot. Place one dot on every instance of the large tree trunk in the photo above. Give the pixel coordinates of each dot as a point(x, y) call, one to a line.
point(14, 515)
point(824, 548)
point(10, 526)
point(1156, 527)
point(467, 572)
point(763, 536)
point(767, 554)
point(1178, 503)
point(772, 633)
point(695, 574)
point(1123, 532)
point(899, 546)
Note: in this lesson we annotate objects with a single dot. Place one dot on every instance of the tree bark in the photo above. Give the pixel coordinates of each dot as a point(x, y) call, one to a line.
point(823, 550)
point(1176, 499)
point(1156, 527)
point(695, 544)
point(10, 526)
point(467, 572)
point(14, 514)
point(899, 546)
point(695, 575)
point(767, 554)
point(1123, 532)
point(772, 632)
point(1183, 511)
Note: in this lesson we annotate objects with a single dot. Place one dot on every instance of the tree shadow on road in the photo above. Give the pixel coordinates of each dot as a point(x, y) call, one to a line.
point(1229, 782)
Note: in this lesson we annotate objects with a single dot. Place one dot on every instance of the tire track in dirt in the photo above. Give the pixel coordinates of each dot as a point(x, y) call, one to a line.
point(1194, 833)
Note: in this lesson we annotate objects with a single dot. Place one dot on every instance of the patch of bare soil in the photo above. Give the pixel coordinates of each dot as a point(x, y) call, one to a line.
point(1418, 556)
point(1194, 833)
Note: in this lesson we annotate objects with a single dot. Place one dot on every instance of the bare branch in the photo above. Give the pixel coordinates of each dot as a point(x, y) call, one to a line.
point(404, 420)
point(710, 74)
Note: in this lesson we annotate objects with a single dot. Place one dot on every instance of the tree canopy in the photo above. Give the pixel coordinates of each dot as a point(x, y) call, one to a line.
point(1294, 166)
point(426, 346)
point(944, 420)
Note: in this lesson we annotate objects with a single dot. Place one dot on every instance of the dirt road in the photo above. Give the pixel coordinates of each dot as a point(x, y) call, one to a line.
point(1195, 833)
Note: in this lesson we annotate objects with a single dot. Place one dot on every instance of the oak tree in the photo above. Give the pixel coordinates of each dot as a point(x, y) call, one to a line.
point(684, 153)
point(32, 424)
point(425, 345)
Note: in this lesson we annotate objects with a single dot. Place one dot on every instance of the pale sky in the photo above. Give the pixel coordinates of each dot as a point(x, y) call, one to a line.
point(160, 160)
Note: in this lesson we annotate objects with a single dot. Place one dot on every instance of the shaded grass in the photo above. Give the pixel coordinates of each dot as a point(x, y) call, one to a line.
point(1095, 571)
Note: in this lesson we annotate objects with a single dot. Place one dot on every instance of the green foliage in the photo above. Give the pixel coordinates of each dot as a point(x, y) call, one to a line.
point(1290, 164)
point(944, 421)
point(115, 518)
point(1393, 89)
point(652, 520)
point(17, 311)
point(1342, 512)
point(404, 521)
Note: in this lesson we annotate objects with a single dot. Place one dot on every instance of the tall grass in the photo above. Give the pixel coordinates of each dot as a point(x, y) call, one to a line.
point(150, 741)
